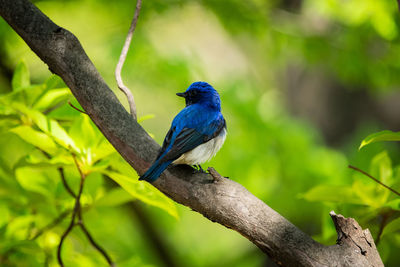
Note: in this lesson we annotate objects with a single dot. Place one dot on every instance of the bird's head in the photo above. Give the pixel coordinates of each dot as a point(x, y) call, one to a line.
point(201, 93)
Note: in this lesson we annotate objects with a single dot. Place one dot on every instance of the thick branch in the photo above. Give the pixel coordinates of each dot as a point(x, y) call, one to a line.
point(223, 201)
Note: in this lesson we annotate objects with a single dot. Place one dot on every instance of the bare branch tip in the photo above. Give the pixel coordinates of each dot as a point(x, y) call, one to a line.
point(216, 176)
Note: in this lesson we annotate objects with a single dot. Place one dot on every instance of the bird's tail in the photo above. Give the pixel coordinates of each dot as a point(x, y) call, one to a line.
point(155, 171)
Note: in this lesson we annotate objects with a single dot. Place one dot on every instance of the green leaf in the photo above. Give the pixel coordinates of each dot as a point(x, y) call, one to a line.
point(393, 226)
point(27, 247)
point(37, 180)
point(98, 167)
point(36, 138)
point(37, 159)
point(393, 204)
point(102, 150)
point(61, 136)
point(39, 119)
point(8, 122)
point(19, 227)
point(27, 95)
point(145, 117)
point(380, 136)
point(114, 197)
point(53, 128)
point(5, 214)
point(330, 193)
point(5, 108)
point(21, 77)
point(144, 192)
point(65, 112)
point(50, 127)
point(13, 148)
point(51, 98)
point(84, 133)
point(381, 168)
point(368, 194)
point(49, 84)
point(54, 81)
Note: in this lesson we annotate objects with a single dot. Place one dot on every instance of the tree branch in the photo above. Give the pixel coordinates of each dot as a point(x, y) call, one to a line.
point(121, 61)
point(223, 201)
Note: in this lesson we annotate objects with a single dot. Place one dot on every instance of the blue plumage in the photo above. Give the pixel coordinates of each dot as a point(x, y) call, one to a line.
point(196, 133)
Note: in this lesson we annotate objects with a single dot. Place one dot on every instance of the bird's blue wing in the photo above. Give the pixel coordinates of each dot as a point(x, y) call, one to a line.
point(192, 127)
point(189, 138)
point(167, 141)
point(185, 141)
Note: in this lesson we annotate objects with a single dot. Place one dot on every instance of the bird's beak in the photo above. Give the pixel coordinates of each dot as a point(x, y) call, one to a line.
point(181, 94)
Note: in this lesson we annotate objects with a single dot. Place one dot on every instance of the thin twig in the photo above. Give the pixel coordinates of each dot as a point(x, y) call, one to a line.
point(72, 105)
point(83, 227)
point(64, 181)
point(75, 212)
point(373, 178)
point(52, 224)
point(94, 244)
point(78, 212)
point(62, 175)
point(65, 234)
point(122, 57)
point(83, 176)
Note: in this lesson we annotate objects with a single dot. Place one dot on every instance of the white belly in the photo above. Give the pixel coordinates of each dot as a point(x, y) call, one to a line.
point(203, 152)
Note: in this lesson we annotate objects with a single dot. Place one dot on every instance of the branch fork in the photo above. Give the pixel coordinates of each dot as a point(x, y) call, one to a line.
point(77, 213)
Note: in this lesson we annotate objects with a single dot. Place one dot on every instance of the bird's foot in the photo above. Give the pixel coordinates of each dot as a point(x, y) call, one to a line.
point(200, 169)
point(197, 169)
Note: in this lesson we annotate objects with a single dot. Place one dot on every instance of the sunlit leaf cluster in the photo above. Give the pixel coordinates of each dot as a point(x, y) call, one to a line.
point(41, 136)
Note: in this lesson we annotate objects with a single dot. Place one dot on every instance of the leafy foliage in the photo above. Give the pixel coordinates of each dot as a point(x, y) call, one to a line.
point(45, 146)
point(251, 51)
point(379, 137)
point(369, 200)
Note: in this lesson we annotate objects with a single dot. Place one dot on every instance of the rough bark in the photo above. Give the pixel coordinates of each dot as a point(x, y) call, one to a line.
point(220, 200)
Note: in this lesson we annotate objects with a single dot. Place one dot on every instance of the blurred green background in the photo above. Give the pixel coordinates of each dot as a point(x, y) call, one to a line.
point(302, 83)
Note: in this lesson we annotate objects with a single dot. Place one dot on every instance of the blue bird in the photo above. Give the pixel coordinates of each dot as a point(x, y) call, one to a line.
point(196, 133)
